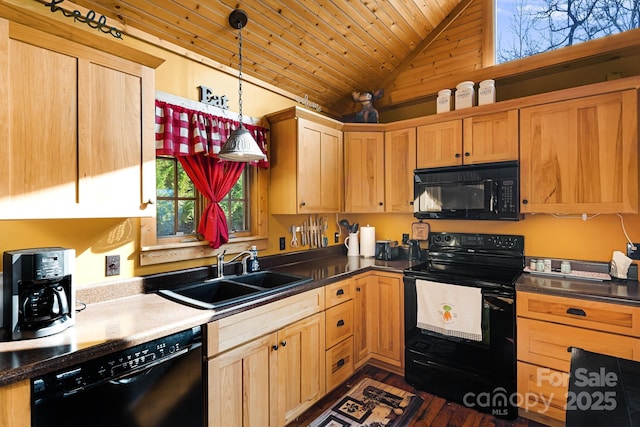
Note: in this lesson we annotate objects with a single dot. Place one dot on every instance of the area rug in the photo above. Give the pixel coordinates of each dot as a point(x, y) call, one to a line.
point(370, 403)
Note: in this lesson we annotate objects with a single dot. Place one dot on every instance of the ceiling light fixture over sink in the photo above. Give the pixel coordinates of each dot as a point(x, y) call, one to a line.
point(240, 147)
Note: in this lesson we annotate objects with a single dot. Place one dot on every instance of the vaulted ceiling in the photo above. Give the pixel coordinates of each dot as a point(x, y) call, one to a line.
point(323, 49)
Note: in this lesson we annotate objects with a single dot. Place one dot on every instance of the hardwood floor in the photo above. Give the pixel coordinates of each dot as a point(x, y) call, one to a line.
point(434, 411)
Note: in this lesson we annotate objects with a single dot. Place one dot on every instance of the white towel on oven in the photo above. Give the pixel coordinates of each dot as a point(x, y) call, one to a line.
point(451, 310)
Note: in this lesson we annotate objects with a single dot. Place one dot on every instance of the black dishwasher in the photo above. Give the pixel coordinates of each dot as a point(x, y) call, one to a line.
point(155, 384)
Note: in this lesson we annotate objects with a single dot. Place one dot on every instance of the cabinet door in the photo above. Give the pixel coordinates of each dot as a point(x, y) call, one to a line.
point(386, 313)
point(364, 171)
point(319, 168)
point(580, 155)
point(400, 161)
point(114, 175)
point(242, 385)
point(38, 171)
point(301, 367)
point(361, 326)
point(491, 137)
point(439, 144)
point(15, 404)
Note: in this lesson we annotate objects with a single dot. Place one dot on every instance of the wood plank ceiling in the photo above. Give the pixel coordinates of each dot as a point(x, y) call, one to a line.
point(323, 49)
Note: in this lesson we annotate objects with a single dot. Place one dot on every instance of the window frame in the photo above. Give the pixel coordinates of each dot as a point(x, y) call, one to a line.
point(154, 250)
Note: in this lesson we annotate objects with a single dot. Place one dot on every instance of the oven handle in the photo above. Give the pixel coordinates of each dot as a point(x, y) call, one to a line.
point(499, 302)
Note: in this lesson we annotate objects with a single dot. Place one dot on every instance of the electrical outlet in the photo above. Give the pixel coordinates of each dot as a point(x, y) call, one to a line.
point(633, 253)
point(112, 265)
point(336, 237)
point(282, 244)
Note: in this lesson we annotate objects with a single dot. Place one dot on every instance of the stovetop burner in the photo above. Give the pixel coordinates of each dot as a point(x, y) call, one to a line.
point(484, 260)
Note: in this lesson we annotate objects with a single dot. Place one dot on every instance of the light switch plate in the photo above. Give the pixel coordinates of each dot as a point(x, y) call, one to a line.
point(112, 265)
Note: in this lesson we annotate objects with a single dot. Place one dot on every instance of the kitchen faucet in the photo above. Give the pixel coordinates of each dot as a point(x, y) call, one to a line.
point(222, 262)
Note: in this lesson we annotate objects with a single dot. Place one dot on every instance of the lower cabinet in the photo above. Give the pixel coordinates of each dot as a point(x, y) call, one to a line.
point(548, 327)
point(379, 319)
point(266, 366)
point(15, 404)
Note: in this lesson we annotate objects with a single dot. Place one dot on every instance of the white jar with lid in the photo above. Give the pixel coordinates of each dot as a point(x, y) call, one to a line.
point(487, 92)
point(465, 95)
point(444, 101)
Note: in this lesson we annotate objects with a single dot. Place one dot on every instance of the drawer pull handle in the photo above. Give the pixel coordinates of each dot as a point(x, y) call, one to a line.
point(576, 311)
point(340, 363)
point(340, 292)
point(340, 322)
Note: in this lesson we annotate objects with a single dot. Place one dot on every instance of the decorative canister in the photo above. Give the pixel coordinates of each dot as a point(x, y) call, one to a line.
point(487, 92)
point(444, 103)
point(465, 95)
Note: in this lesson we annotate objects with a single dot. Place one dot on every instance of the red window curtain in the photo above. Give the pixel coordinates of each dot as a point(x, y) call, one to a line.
point(195, 139)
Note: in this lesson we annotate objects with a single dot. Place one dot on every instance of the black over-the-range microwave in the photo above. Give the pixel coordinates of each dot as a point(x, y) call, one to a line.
point(489, 191)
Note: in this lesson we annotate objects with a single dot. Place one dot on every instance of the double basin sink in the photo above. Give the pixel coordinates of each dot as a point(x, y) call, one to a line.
point(230, 290)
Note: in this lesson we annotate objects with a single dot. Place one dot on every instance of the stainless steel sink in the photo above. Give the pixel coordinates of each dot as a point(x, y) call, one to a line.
point(230, 290)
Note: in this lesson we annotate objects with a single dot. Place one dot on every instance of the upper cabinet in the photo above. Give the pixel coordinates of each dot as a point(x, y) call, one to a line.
point(78, 126)
point(400, 162)
point(379, 170)
point(581, 155)
point(305, 160)
point(478, 139)
point(364, 171)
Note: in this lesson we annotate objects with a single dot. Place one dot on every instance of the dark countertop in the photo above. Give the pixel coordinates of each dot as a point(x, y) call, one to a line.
point(614, 291)
point(115, 324)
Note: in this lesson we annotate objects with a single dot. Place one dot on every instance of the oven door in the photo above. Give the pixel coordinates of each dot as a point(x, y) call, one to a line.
point(464, 370)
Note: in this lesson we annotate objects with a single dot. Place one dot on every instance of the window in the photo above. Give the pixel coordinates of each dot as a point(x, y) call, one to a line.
point(180, 205)
point(528, 27)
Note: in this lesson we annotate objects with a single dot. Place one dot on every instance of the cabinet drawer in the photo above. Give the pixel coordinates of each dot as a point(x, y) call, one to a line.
point(617, 318)
point(338, 292)
point(339, 323)
point(548, 344)
point(339, 363)
point(543, 391)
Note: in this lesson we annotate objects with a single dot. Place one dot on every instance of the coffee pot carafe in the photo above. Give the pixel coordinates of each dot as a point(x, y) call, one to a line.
point(37, 291)
point(414, 250)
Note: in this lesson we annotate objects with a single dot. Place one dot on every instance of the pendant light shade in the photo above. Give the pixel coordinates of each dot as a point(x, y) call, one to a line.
point(240, 147)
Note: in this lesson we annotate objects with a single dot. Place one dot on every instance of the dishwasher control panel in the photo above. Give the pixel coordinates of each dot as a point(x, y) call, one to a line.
point(115, 366)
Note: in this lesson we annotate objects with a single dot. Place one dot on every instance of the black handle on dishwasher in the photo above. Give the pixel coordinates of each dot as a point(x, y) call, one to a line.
point(576, 311)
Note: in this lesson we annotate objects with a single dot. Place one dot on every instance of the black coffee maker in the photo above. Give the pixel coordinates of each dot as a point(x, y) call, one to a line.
point(37, 290)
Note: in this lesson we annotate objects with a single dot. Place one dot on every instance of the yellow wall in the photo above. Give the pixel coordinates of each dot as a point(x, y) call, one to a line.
point(92, 239)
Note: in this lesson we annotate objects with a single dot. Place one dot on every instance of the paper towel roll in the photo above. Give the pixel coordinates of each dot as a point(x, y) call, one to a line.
point(368, 241)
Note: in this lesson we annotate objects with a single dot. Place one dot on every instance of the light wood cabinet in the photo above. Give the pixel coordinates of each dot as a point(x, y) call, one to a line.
point(301, 367)
point(267, 365)
point(477, 139)
point(243, 385)
point(379, 171)
point(379, 319)
point(581, 155)
point(339, 332)
point(548, 326)
point(364, 172)
point(400, 162)
point(79, 130)
point(306, 161)
point(15, 404)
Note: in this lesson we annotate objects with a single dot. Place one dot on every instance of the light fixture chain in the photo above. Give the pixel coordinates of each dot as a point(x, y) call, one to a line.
point(240, 74)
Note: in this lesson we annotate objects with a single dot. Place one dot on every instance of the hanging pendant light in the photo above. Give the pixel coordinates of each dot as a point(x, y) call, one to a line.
point(240, 147)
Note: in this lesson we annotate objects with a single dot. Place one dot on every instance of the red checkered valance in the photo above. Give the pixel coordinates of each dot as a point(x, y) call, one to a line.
point(181, 131)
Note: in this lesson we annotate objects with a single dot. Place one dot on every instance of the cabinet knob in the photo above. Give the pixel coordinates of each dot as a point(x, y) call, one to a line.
point(275, 347)
point(340, 323)
point(411, 203)
point(457, 155)
point(340, 363)
point(525, 201)
point(467, 154)
point(303, 204)
point(283, 343)
point(358, 289)
point(381, 203)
